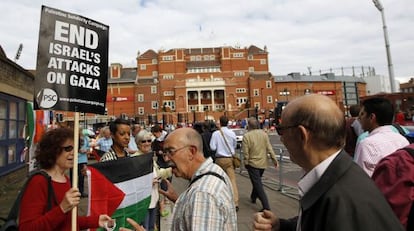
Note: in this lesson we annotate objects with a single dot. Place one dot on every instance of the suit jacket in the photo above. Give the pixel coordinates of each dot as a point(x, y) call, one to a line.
point(256, 146)
point(344, 199)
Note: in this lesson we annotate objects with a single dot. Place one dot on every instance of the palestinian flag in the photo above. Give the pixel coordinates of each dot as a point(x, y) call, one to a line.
point(121, 188)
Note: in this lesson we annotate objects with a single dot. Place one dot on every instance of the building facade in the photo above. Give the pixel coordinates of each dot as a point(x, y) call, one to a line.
point(195, 84)
point(16, 93)
point(186, 85)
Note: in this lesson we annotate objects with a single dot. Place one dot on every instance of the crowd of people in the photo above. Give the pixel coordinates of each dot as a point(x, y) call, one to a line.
point(346, 183)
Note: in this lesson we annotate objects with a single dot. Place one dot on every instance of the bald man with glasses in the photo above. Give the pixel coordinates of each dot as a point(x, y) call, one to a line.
point(336, 194)
point(207, 203)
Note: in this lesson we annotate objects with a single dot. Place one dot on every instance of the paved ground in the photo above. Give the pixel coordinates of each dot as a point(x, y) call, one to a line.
point(282, 197)
point(282, 204)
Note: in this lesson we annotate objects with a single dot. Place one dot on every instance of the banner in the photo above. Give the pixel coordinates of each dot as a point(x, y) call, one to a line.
point(72, 63)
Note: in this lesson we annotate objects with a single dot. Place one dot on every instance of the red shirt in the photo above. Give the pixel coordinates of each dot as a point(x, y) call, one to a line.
point(394, 175)
point(33, 208)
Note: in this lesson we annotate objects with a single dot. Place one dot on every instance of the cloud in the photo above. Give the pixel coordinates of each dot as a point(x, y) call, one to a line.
point(298, 33)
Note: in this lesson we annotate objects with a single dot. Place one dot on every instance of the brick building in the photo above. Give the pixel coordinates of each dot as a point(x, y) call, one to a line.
point(344, 90)
point(194, 84)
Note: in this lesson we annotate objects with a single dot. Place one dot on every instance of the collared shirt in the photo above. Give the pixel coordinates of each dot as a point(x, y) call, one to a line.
point(111, 155)
point(83, 151)
point(381, 142)
point(310, 179)
point(132, 145)
point(104, 144)
point(207, 204)
point(218, 144)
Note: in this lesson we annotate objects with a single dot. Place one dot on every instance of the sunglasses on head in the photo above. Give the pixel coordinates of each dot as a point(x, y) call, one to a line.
point(68, 148)
point(148, 141)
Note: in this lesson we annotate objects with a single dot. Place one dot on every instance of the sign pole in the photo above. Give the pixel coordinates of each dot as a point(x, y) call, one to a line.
point(75, 167)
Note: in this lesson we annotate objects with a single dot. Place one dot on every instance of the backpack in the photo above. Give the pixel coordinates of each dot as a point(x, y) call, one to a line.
point(410, 221)
point(408, 136)
point(394, 176)
point(11, 222)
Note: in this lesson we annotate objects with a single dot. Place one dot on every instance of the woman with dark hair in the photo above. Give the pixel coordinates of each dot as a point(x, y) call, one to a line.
point(54, 153)
point(120, 133)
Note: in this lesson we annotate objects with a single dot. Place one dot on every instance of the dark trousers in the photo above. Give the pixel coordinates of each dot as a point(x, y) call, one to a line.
point(255, 175)
point(149, 221)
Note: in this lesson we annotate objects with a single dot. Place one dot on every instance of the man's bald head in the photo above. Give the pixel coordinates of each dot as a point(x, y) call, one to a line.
point(320, 115)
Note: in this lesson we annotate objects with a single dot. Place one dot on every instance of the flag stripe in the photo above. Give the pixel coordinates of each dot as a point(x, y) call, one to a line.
point(137, 212)
point(126, 168)
point(135, 190)
point(121, 188)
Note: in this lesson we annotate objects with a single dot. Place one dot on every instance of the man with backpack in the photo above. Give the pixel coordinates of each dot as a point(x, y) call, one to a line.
point(376, 117)
point(394, 176)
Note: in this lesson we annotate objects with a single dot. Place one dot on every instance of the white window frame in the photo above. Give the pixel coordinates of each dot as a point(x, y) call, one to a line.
point(153, 89)
point(238, 55)
point(251, 69)
point(239, 73)
point(143, 66)
point(263, 61)
point(141, 110)
point(168, 76)
point(268, 84)
point(154, 104)
point(241, 90)
point(141, 98)
point(170, 103)
point(167, 58)
point(168, 93)
point(269, 99)
point(256, 92)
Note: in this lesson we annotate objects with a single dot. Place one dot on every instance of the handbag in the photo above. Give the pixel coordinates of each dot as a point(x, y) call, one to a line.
point(235, 159)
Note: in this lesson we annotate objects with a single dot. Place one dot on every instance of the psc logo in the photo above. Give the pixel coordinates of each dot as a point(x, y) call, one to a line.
point(47, 98)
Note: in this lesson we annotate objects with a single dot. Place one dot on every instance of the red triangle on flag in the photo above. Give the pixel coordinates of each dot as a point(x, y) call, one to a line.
point(104, 197)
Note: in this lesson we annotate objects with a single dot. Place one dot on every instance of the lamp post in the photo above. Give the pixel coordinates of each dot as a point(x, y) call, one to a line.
point(113, 105)
point(379, 6)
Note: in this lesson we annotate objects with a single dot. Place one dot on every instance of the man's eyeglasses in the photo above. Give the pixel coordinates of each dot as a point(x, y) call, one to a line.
point(280, 128)
point(68, 148)
point(143, 141)
point(170, 152)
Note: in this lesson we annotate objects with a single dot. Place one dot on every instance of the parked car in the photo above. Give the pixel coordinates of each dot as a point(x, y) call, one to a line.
point(239, 135)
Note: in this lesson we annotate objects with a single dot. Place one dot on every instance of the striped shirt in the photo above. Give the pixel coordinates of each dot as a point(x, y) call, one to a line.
point(111, 155)
point(380, 143)
point(207, 204)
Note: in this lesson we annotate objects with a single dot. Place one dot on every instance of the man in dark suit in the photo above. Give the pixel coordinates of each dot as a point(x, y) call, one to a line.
point(336, 194)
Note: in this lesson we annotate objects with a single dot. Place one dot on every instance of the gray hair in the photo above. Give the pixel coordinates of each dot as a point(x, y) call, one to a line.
point(142, 135)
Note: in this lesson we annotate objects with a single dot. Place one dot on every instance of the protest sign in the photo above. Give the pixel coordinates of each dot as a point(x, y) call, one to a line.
point(72, 63)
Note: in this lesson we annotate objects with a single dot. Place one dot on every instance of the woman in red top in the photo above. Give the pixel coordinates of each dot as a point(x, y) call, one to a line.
point(54, 154)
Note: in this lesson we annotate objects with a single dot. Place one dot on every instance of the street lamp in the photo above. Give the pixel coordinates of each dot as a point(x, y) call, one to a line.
point(113, 105)
point(379, 6)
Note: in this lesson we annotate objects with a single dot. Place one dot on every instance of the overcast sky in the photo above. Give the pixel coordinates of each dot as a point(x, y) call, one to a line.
point(298, 34)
